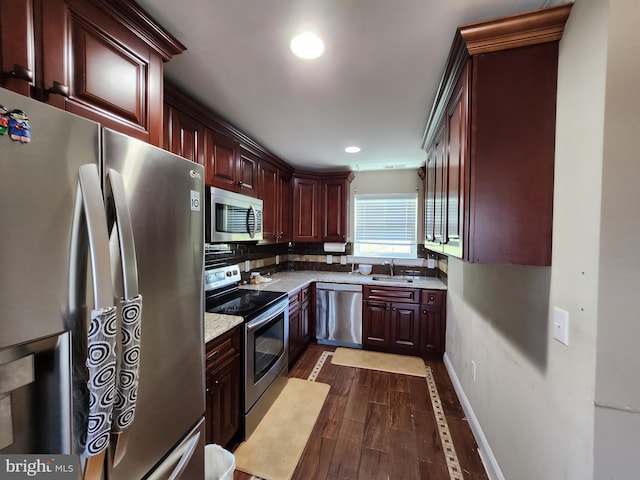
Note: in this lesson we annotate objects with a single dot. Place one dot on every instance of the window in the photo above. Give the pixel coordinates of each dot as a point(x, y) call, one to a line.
point(386, 225)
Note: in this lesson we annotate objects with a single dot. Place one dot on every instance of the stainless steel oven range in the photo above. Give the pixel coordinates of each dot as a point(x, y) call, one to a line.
point(265, 335)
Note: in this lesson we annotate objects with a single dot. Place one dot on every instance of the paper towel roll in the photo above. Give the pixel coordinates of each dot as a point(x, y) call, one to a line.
point(334, 247)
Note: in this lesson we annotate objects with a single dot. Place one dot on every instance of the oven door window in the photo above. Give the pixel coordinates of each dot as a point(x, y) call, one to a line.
point(268, 346)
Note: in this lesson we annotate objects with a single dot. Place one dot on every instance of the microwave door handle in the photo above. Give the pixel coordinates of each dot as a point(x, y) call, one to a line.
point(252, 212)
point(128, 374)
point(90, 226)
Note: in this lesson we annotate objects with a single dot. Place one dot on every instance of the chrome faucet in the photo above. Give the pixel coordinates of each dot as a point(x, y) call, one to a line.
point(390, 265)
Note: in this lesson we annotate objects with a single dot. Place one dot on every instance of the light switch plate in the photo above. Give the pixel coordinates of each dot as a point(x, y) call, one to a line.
point(561, 325)
point(329, 259)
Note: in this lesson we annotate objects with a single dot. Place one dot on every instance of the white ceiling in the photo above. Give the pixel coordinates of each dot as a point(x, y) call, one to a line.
point(373, 87)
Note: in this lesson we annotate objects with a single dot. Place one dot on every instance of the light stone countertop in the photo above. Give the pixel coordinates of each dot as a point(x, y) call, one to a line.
point(216, 324)
point(290, 282)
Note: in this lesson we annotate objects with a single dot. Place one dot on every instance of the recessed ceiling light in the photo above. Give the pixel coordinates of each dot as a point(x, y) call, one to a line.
point(353, 149)
point(307, 45)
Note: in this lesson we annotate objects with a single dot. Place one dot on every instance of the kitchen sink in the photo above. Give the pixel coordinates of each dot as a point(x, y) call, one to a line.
point(393, 279)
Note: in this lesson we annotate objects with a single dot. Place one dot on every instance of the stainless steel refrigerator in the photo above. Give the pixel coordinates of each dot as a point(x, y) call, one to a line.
point(101, 299)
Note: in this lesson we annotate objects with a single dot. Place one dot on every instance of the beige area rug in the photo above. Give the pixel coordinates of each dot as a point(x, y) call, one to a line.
point(273, 450)
point(385, 362)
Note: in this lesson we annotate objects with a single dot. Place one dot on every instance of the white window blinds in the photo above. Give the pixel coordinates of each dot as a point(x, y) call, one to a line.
point(386, 225)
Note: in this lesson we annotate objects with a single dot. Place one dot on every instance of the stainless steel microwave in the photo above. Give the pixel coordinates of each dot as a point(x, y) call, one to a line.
point(232, 217)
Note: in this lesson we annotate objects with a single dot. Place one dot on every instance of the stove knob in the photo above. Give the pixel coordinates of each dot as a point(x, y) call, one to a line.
point(235, 272)
point(229, 273)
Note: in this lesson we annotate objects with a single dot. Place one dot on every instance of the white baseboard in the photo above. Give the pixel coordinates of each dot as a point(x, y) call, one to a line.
point(486, 454)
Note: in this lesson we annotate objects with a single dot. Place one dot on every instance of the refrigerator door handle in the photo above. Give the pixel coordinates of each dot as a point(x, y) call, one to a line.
point(127, 391)
point(89, 213)
point(125, 234)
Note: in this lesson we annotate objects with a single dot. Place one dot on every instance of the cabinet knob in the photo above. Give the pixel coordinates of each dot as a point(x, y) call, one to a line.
point(217, 382)
point(240, 184)
point(21, 73)
point(59, 89)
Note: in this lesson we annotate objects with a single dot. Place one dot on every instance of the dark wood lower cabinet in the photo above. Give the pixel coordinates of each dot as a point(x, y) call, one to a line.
point(223, 375)
point(300, 324)
point(405, 321)
point(405, 327)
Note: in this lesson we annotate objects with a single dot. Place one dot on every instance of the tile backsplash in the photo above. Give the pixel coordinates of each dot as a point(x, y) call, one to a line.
point(274, 258)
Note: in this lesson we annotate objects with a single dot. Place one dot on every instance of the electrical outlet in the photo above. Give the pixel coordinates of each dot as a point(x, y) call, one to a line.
point(343, 260)
point(473, 370)
point(277, 259)
point(329, 259)
point(247, 265)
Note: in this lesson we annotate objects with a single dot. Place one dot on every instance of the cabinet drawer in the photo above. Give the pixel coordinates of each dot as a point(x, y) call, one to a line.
point(305, 294)
point(433, 297)
point(221, 349)
point(294, 302)
point(407, 295)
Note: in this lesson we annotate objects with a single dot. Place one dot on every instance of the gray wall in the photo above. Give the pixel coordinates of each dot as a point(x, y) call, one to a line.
point(534, 397)
point(617, 428)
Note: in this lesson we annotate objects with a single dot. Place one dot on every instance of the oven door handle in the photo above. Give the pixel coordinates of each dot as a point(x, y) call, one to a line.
point(268, 316)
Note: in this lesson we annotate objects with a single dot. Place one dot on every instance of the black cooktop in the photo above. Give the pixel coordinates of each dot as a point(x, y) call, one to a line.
point(243, 303)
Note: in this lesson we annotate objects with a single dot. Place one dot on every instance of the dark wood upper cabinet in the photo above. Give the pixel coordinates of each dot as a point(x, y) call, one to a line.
point(274, 189)
point(230, 167)
point(17, 46)
point(99, 59)
point(306, 208)
point(184, 135)
point(490, 141)
point(222, 158)
point(321, 206)
point(335, 203)
point(247, 173)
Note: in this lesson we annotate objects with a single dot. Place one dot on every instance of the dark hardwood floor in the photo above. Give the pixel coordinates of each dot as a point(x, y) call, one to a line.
point(377, 425)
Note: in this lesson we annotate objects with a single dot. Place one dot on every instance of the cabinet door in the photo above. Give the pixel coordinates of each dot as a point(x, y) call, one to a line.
point(432, 332)
point(221, 160)
point(456, 153)
point(375, 324)
point(17, 46)
point(268, 186)
point(184, 135)
point(285, 209)
point(306, 213)
point(335, 197)
point(247, 174)
point(434, 193)
point(305, 323)
point(405, 327)
point(223, 401)
point(294, 335)
point(95, 67)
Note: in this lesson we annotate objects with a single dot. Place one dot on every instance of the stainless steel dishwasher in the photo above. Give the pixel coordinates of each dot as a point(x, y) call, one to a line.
point(339, 314)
